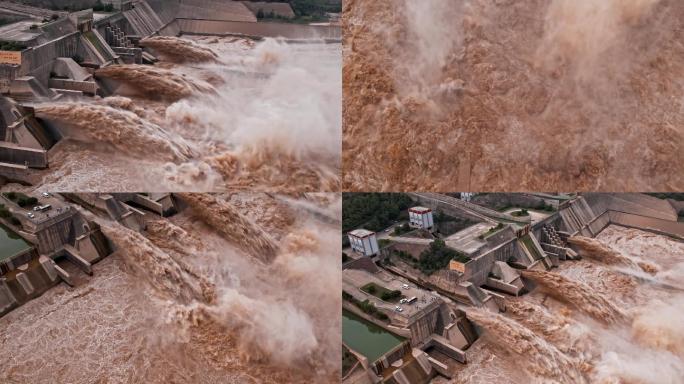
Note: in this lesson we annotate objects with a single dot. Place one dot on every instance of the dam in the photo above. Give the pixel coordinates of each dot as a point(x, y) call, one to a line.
point(64, 57)
point(515, 273)
point(44, 241)
point(179, 297)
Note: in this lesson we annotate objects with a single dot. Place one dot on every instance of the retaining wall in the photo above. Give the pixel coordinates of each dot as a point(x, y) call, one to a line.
point(37, 61)
point(660, 226)
point(13, 262)
point(477, 270)
point(284, 30)
point(34, 158)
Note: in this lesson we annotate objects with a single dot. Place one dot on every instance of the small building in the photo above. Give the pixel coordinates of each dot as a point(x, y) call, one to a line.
point(420, 217)
point(364, 242)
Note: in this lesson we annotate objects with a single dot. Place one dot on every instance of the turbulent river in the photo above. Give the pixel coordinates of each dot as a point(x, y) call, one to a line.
point(511, 95)
point(591, 321)
point(181, 302)
point(244, 115)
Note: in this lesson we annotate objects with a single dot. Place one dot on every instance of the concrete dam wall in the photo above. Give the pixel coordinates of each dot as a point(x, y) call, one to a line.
point(274, 30)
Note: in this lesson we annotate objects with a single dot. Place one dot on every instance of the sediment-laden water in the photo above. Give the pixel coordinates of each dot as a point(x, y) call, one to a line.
point(591, 320)
point(154, 82)
point(179, 50)
point(181, 302)
point(237, 112)
point(538, 95)
point(118, 129)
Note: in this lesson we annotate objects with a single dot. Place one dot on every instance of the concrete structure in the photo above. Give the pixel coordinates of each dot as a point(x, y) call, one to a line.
point(422, 317)
point(543, 244)
point(421, 217)
point(58, 52)
point(436, 332)
point(56, 233)
point(364, 242)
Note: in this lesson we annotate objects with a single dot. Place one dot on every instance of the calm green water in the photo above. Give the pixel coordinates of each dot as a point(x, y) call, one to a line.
point(10, 243)
point(367, 338)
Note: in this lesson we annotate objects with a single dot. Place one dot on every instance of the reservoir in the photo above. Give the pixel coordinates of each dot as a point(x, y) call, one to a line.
point(10, 243)
point(367, 338)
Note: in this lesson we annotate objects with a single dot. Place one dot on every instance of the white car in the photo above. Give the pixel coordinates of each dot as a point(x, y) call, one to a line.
point(399, 309)
point(31, 215)
point(405, 286)
point(403, 301)
point(45, 194)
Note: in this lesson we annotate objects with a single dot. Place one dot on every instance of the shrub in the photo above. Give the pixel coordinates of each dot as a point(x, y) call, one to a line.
point(11, 46)
point(25, 201)
point(390, 295)
point(15, 221)
point(438, 257)
point(401, 229)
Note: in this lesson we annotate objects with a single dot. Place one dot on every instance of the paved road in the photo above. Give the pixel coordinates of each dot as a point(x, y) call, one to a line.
point(28, 10)
point(18, 31)
point(467, 240)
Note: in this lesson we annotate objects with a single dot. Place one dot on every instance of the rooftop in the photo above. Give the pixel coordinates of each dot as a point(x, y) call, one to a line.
point(361, 232)
point(420, 210)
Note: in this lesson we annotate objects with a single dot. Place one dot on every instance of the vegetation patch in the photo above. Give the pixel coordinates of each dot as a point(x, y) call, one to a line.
point(373, 211)
point(366, 306)
point(21, 199)
point(491, 231)
point(382, 293)
point(11, 46)
point(4, 212)
point(522, 212)
point(401, 229)
point(406, 257)
point(438, 257)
